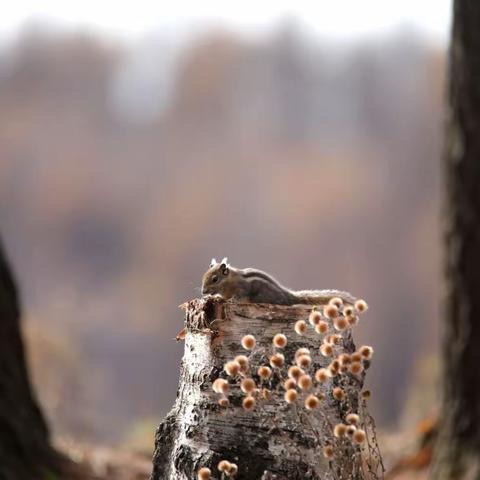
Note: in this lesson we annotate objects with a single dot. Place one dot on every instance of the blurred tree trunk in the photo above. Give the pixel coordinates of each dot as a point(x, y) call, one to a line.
point(458, 448)
point(25, 451)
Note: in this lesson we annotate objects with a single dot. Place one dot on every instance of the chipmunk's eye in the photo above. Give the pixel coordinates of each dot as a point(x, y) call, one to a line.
point(225, 271)
point(214, 279)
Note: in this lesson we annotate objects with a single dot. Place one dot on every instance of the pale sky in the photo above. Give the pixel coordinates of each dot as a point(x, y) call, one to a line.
point(133, 19)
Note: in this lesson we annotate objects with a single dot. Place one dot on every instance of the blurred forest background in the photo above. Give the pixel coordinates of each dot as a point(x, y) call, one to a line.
point(125, 168)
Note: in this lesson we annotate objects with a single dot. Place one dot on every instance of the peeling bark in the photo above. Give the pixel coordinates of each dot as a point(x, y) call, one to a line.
point(275, 440)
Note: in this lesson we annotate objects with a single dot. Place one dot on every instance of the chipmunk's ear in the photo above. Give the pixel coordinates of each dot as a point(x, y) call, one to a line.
point(213, 263)
point(224, 266)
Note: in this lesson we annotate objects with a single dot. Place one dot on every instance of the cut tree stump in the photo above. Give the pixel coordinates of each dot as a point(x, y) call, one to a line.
point(275, 440)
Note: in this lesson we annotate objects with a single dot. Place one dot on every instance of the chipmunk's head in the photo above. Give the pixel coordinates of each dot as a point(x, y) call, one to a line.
point(216, 278)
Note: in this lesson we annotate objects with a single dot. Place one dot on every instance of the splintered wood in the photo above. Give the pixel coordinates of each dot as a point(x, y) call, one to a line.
point(285, 403)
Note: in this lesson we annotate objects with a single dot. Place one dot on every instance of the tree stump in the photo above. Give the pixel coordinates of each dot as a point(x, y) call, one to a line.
point(276, 439)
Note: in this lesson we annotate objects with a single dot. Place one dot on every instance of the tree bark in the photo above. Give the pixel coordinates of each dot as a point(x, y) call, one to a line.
point(25, 451)
point(458, 448)
point(276, 440)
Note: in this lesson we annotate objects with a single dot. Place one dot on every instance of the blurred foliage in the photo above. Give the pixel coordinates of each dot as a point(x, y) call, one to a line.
point(125, 169)
point(423, 392)
point(141, 435)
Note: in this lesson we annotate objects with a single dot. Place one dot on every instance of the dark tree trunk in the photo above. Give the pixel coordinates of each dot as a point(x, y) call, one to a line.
point(25, 451)
point(458, 449)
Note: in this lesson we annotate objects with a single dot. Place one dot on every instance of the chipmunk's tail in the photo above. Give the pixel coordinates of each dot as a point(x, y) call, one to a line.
point(320, 297)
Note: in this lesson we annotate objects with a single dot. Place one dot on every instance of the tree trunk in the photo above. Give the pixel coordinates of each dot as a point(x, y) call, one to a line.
point(25, 451)
point(275, 440)
point(458, 448)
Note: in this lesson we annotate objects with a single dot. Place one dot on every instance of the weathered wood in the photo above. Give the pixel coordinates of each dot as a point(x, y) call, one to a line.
point(275, 440)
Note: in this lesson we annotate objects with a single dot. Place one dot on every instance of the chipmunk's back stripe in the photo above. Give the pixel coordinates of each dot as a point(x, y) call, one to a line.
point(251, 274)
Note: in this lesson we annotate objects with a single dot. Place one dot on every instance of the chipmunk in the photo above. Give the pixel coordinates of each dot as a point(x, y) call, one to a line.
point(255, 286)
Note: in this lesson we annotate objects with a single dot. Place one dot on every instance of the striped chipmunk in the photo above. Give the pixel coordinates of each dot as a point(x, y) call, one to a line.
point(254, 286)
